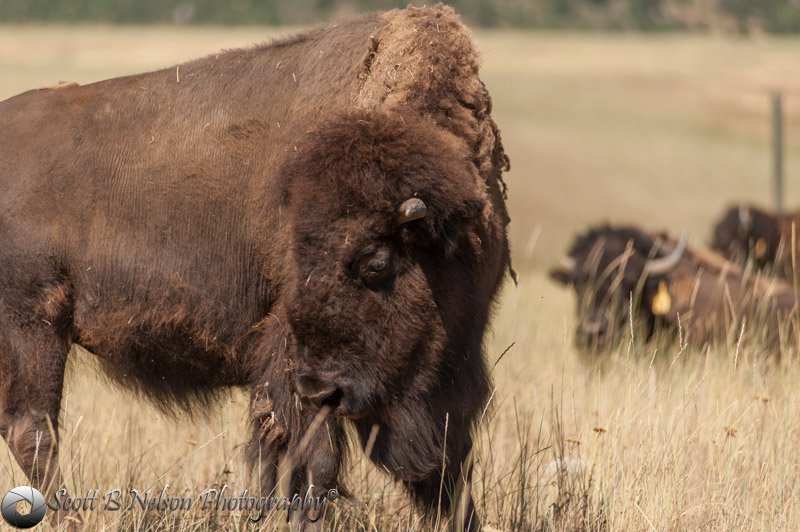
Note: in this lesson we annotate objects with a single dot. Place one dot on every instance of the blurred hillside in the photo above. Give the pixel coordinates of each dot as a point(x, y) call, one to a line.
point(731, 16)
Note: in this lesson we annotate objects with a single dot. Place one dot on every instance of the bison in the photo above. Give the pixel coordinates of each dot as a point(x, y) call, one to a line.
point(625, 277)
point(320, 219)
point(747, 233)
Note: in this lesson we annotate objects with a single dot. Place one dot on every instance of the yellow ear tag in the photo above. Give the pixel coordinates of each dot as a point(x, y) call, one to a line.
point(661, 302)
point(761, 248)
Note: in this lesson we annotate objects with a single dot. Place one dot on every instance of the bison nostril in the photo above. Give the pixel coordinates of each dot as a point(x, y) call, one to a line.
point(333, 400)
point(330, 397)
point(317, 393)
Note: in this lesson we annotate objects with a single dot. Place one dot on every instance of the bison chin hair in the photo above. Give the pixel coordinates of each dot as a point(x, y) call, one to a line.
point(406, 440)
point(418, 434)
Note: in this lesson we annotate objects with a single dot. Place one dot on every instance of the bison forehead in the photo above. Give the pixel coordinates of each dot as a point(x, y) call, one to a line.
point(341, 236)
point(374, 161)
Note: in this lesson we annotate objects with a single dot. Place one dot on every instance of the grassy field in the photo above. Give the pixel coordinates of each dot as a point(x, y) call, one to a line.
point(661, 131)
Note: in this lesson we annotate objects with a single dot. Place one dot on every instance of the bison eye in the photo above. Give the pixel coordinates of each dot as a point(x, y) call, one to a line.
point(377, 269)
point(378, 266)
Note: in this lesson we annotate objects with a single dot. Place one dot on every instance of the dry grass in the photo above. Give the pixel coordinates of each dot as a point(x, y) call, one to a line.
point(661, 131)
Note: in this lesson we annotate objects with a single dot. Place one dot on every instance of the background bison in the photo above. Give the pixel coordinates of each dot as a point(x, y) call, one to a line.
point(616, 270)
point(320, 219)
point(748, 233)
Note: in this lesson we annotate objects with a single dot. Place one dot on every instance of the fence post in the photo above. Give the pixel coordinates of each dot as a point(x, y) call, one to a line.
point(777, 150)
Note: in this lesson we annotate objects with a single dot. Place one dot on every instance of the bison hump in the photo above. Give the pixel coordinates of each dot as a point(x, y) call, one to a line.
point(424, 60)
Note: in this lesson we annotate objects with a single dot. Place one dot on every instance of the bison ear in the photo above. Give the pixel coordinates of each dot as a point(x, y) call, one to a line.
point(561, 276)
point(446, 225)
point(461, 223)
point(473, 208)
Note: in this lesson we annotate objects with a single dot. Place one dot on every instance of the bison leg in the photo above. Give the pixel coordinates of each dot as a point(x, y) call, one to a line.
point(32, 362)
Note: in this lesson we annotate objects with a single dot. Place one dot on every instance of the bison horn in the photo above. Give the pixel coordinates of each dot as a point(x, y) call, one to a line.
point(411, 209)
point(745, 218)
point(567, 262)
point(666, 264)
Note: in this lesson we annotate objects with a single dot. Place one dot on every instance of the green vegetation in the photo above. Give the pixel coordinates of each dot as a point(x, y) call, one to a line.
point(744, 16)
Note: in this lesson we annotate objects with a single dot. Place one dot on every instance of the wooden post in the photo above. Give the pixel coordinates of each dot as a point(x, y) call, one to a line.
point(777, 150)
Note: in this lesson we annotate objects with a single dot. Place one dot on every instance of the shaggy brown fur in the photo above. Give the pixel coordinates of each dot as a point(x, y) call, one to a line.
point(748, 233)
point(707, 296)
point(238, 227)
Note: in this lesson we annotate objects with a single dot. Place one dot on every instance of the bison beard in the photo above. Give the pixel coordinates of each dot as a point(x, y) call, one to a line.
point(195, 237)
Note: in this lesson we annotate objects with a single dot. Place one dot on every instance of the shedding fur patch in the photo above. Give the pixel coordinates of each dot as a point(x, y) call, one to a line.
point(424, 59)
point(59, 86)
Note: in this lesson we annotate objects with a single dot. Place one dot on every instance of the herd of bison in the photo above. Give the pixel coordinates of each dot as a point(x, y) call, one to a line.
point(322, 221)
point(629, 280)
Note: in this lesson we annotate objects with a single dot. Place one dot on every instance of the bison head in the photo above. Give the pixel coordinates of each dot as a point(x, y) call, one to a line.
point(614, 271)
point(384, 296)
point(746, 232)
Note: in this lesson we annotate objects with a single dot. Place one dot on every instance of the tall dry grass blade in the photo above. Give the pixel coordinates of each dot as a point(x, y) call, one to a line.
point(738, 346)
point(444, 470)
